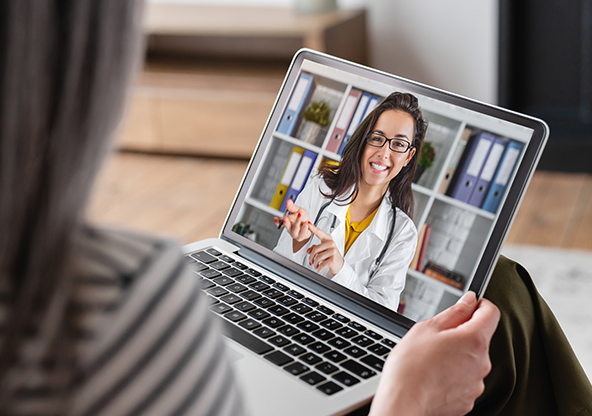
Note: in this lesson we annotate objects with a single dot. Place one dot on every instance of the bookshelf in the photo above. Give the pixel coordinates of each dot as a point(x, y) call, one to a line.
point(459, 230)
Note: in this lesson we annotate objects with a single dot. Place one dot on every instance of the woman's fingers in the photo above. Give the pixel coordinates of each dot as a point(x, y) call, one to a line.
point(292, 207)
point(319, 253)
point(296, 223)
point(325, 255)
point(319, 233)
point(322, 260)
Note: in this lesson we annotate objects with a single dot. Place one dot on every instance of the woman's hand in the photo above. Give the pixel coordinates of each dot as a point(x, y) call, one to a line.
point(296, 225)
point(439, 366)
point(325, 255)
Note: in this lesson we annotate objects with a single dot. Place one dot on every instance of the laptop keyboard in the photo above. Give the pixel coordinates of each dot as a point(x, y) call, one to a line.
point(311, 341)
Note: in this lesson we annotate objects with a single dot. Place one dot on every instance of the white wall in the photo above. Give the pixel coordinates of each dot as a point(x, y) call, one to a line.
point(450, 44)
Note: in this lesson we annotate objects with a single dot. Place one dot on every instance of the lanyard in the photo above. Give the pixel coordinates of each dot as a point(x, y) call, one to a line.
point(378, 260)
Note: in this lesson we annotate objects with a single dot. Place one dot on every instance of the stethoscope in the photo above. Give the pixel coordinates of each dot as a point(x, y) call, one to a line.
point(378, 260)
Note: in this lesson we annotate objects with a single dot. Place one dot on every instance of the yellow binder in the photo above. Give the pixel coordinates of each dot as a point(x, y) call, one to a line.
point(286, 180)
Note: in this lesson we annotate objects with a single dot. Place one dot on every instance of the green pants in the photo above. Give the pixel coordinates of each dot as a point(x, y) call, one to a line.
point(535, 371)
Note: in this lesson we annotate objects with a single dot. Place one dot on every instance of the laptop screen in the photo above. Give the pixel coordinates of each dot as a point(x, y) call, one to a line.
point(473, 167)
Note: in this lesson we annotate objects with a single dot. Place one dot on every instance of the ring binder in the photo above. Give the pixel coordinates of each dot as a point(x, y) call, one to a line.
point(502, 176)
point(300, 96)
point(300, 178)
point(286, 179)
point(345, 116)
point(355, 121)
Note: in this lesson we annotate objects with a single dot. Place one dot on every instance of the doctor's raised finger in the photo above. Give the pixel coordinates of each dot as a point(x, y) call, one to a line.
point(325, 255)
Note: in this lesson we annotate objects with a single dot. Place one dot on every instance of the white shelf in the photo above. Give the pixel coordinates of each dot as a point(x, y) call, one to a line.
point(263, 207)
point(469, 208)
point(422, 189)
point(297, 142)
point(451, 201)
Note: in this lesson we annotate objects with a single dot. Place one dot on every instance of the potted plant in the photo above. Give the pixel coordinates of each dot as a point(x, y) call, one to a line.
point(317, 116)
point(427, 154)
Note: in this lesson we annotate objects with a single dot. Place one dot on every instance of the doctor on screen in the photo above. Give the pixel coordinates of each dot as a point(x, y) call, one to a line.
point(352, 222)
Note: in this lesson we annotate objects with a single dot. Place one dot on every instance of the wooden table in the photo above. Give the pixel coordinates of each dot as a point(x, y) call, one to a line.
point(272, 32)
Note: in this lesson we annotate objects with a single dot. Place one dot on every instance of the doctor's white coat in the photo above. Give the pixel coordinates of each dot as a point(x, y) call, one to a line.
point(388, 282)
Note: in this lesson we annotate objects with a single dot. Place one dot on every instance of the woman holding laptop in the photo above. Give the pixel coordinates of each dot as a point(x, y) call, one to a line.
point(352, 223)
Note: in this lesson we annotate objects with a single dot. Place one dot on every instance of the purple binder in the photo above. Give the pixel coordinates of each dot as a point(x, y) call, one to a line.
point(482, 186)
point(473, 160)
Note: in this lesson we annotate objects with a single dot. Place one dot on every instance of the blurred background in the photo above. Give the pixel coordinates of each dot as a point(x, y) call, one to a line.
point(212, 70)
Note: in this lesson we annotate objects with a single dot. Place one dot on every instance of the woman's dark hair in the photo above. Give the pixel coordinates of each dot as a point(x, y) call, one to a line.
point(65, 68)
point(340, 178)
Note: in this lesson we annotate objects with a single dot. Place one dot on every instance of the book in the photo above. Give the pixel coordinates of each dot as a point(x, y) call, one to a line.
point(458, 151)
point(422, 249)
point(444, 275)
point(413, 264)
point(329, 162)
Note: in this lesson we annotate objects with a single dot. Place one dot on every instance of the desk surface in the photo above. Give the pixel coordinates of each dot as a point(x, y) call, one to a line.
point(208, 20)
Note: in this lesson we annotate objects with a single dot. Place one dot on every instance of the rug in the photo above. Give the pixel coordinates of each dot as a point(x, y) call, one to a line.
point(564, 279)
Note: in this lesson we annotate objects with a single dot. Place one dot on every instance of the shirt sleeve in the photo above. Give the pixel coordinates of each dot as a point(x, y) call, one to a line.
point(161, 351)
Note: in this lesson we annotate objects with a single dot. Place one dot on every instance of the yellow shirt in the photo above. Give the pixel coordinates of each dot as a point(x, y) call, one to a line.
point(354, 229)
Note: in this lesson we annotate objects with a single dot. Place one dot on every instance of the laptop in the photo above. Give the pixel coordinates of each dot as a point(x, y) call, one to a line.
point(302, 344)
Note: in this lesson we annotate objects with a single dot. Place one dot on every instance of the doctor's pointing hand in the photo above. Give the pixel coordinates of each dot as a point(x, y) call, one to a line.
point(322, 256)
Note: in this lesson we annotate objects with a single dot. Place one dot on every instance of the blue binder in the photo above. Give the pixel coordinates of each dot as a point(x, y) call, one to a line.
point(374, 100)
point(473, 160)
point(300, 97)
point(489, 169)
point(300, 177)
point(502, 177)
point(356, 119)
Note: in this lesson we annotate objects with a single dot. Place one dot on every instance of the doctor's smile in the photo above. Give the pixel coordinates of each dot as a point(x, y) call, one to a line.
point(378, 167)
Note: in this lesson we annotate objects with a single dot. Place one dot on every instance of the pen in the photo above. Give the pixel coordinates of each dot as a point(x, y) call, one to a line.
point(281, 222)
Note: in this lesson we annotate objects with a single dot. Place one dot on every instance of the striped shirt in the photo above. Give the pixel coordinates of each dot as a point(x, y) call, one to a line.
point(148, 344)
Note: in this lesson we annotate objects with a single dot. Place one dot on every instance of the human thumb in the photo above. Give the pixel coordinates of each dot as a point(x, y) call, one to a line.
point(457, 314)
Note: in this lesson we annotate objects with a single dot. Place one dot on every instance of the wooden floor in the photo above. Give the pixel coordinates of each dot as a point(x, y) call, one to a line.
point(556, 211)
point(183, 198)
point(180, 109)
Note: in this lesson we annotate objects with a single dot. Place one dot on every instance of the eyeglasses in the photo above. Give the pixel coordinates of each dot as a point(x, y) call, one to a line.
point(396, 145)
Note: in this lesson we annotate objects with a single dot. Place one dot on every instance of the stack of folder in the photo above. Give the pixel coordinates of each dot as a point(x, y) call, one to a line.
point(293, 178)
point(483, 172)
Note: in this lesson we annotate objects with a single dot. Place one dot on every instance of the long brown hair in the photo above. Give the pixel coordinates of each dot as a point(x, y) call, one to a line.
point(348, 173)
point(65, 68)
